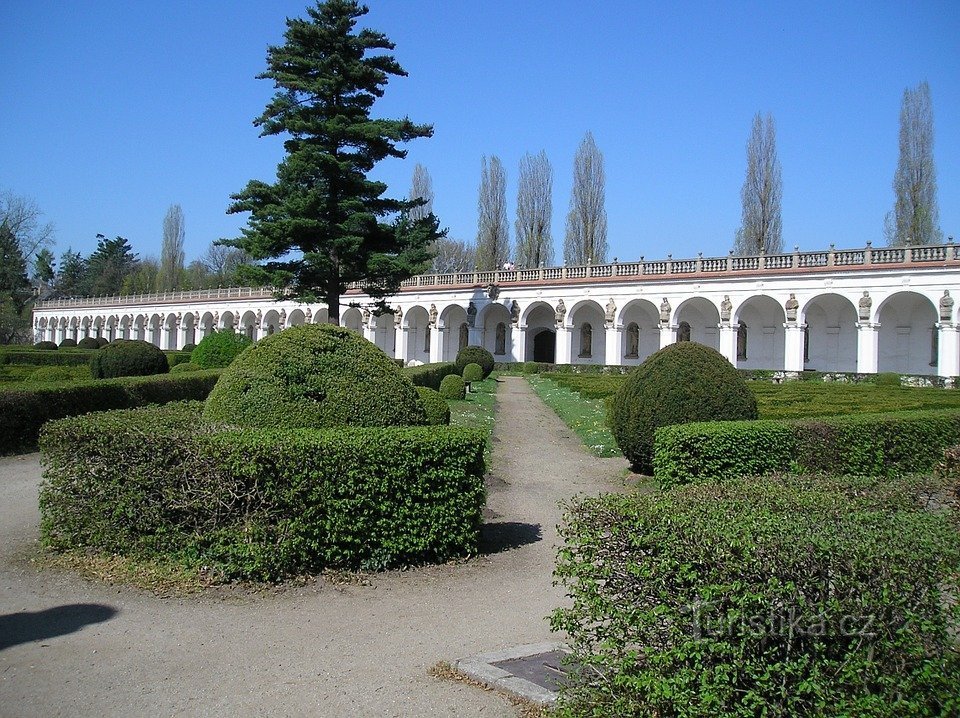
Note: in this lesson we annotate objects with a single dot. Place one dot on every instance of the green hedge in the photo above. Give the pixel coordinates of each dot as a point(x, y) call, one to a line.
point(430, 375)
point(44, 357)
point(858, 444)
point(260, 504)
point(779, 596)
point(24, 410)
point(177, 357)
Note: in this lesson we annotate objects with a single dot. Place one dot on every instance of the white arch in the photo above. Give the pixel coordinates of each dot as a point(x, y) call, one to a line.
point(908, 334)
point(761, 319)
point(646, 316)
point(703, 317)
point(586, 320)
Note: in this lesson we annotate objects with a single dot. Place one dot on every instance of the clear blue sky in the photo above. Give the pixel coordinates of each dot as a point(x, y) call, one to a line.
point(113, 111)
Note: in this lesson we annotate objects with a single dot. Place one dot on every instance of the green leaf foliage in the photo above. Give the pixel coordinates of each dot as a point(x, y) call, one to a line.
point(430, 374)
point(260, 504)
point(219, 348)
point(45, 345)
point(473, 372)
point(314, 375)
point(67, 356)
point(453, 387)
point(779, 596)
point(68, 343)
point(681, 383)
point(88, 343)
point(475, 355)
point(324, 223)
point(438, 411)
point(184, 367)
point(128, 357)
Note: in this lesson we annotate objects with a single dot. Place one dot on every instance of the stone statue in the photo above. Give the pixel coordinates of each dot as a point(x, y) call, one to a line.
point(946, 307)
point(259, 316)
point(560, 312)
point(611, 311)
point(471, 313)
point(515, 312)
point(633, 340)
point(283, 318)
point(397, 317)
point(792, 305)
point(308, 315)
point(726, 309)
point(863, 307)
point(664, 311)
point(433, 315)
point(365, 314)
point(493, 291)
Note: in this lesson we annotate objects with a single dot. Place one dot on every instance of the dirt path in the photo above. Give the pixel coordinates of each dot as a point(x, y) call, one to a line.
point(70, 647)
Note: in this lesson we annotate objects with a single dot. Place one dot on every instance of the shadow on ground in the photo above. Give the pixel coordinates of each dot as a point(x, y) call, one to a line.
point(27, 626)
point(497, 536)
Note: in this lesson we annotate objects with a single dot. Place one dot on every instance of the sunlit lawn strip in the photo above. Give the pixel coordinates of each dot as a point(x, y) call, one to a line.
point(587, 417)
point(476, 411)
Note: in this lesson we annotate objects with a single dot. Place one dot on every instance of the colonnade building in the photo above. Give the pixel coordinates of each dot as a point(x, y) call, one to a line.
point(863, 310)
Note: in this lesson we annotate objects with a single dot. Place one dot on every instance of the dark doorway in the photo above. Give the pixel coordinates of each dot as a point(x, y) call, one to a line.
point(545, 347)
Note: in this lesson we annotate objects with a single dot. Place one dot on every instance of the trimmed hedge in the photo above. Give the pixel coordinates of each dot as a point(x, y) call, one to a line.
point(23, 411)
point(69, 356)
point(219, 348)
point(430, 375)
point(475, 355)
point(128, 357)
point(260, 504)
point(453, 387)
point(177, 357)
point(780, 596)
point(857, 444)
point(185, 367)
point(472, 372)
point(438, 410)
point(46, 346)
point(68, 343)
point(88, 343)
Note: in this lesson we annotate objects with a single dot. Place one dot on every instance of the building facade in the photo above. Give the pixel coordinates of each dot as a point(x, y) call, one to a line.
point(866, 310)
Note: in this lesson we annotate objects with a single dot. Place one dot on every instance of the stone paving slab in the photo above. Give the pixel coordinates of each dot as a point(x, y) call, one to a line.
point(531, 671)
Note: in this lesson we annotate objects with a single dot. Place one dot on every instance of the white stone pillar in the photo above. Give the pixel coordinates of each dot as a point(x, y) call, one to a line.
point(948, 349)
point(868, 336)
point(793, 346)
point(61, 334)
point(400, 344)
point(436, 344)
point(476, 336)
point(668, 334)
point(728, 341)
point(183, 335)
point(166, 334)
point(518, 343)
point(369, 331)
point(614, 345)
point(564, 353)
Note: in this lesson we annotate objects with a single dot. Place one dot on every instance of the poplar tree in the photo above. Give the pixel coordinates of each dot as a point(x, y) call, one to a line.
point(534, 211)
point(586, 237)
point(761, 228)
point(323, 224)
point(493, 234)
point(171, 250)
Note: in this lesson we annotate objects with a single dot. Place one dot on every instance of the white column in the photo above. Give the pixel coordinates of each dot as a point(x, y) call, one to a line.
point(948, 349)
point(476, 336)
point(728, 341)
point(668, 334)
point(400, 344)
point(564, 354)
point(369, 331)
point(518, 342)
point(793, 346)
point(868, 335)
point(183, 335)
point(436, 344)
point(166, 334)
point(61, 334)
point(614, 345)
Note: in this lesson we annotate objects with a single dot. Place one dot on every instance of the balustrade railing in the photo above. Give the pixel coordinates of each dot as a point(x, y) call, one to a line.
point(865, 257)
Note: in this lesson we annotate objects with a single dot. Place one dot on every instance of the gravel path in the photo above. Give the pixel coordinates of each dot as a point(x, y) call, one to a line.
point(71, 647)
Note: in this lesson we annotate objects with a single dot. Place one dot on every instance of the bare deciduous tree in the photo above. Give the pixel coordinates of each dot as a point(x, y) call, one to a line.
point(421, 188)
point(761, 229)
point(451, 255)
point(586, 237)
point(916, 214)
point(222, 263)
point(22, 217)
point(493, 234)
point(534, 211)
point(171, 251)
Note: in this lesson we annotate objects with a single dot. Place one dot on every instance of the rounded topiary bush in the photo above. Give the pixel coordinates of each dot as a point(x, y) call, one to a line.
point(681, 383)
point(219, 349)
point(452, 387)
point(188, 347)
point(68, 343)
point(183, 367)
point(438, 411)
point(473, 372)
point(475, 355)
point(128, 357)
point(314, 375)
point(45, 345)
point(102, 342)
point(88, 343)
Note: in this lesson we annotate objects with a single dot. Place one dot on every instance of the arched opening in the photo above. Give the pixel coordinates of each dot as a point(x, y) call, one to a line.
point(545, 346)
point(351, 319)
point(589, 336)
point(500, 345)
point(830, 341)
point(494, 318)
point(907, 320)
point(537, 317)
point(296, 318)
point(760, 334)
point(248, 326)
point(271, 323)
point(418, 335)
point(642, 335)
point(702, 318)
point(683, 332)
point(450, 319)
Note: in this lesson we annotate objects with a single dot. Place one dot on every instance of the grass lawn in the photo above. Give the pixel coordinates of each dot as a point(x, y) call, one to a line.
point(587, 417)
point(476, 411)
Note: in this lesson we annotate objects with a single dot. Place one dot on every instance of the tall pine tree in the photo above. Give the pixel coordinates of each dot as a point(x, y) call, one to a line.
point(323, 223)
point(15, 290)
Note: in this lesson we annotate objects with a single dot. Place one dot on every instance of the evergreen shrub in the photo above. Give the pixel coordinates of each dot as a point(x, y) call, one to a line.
point(783, 596)
point(681, 383)
point(430, 374)
point(314, 375)
point(177, 357)
point(68, 343)
point(186, 366)
point(475, 355)
point(68, 356)
point(260, 504)
point(452, 387)
point(102, 342)
point(188, 347)
point(50, 346)
point(219, 348)
point(88, 343)
point(55, 373)
point(472, 372)
point(438, 411)
point(128, 357)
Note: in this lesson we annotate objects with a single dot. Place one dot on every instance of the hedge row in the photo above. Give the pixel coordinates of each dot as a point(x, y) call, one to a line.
point(41, 357)
point(776, 596)
point(857, 444)
point(430, 375)
point(24, 410)
point(260, 504)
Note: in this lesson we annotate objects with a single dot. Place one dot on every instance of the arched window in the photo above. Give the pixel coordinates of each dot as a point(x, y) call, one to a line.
point(501, 345)
point(464, 335)
point(633, 341)
point(586, 341)
point(741, 341)
point(683, 332)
